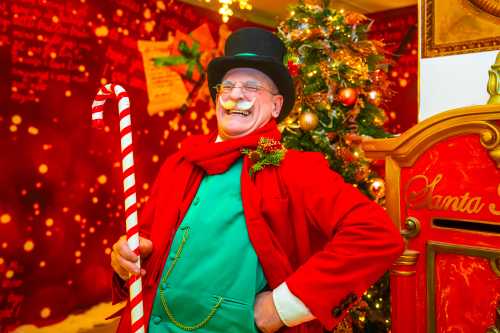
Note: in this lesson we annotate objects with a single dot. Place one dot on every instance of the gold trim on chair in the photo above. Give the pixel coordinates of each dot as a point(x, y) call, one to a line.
point(490, 139)
point(408, 258)
point(495, 263)
point(411, 144)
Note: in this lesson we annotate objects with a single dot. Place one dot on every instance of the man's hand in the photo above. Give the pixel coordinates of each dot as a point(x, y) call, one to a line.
point(123, 260)
point(265, 314)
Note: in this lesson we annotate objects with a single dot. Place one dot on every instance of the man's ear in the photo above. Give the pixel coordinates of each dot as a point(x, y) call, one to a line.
point(277, 105)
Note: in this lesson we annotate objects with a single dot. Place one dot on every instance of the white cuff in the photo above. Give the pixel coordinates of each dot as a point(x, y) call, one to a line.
point(289, 307)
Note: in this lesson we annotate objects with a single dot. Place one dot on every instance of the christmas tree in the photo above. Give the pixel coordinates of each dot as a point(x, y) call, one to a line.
point(341, 86)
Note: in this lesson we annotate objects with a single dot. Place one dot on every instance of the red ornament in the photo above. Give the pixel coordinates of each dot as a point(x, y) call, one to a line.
point(347, 96)
point(293, 68)
point(331, 136)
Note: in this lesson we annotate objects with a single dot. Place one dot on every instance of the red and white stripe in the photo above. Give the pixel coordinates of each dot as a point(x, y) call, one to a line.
point(110, 91)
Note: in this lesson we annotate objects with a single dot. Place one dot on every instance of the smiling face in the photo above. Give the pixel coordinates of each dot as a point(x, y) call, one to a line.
point(252, 102)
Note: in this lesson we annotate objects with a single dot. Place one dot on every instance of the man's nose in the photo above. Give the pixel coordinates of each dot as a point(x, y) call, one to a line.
point(236, 93)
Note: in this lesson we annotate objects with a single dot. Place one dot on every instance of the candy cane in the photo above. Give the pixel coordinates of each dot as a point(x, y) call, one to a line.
point(128, 175)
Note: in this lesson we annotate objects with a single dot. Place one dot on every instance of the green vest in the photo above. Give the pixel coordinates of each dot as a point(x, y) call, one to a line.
point(212, 273)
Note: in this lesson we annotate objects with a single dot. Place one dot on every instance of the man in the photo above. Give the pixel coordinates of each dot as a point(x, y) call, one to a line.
point(234, 243)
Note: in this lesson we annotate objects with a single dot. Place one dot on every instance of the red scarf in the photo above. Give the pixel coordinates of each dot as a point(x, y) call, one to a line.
point(217, 157)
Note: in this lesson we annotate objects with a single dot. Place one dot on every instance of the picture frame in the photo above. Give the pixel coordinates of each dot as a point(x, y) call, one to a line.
point(459, 26)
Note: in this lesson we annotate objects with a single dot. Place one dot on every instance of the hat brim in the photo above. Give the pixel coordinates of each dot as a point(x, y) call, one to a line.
point(218, 67)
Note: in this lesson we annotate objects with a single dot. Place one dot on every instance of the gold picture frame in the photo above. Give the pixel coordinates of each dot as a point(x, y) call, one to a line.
point(459, 26)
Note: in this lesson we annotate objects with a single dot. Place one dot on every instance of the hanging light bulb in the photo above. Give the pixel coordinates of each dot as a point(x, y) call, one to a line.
point(225, 7)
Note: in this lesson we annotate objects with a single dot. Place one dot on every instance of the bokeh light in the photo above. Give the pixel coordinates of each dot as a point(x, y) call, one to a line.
point(102, 179)
point(45, 313)
point(5, 218)
point(29, 245)
point(43, 168)
point(16, 119)
point(9, 274)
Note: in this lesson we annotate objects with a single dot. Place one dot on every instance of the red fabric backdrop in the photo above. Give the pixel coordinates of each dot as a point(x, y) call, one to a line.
point(60, 204)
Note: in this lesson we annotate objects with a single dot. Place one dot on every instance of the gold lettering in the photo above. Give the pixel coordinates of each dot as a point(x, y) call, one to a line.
point(436, 202)
point(421, 197)
point(476, 208)
point(492, 207)
point(450, 201)
point(493, 210)
point(463, 202)
point(419, 193)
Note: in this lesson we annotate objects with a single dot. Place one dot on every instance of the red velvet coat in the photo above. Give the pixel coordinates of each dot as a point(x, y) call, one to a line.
point(309, 228)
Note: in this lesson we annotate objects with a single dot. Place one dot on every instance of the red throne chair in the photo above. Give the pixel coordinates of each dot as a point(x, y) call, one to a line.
point(443, 191)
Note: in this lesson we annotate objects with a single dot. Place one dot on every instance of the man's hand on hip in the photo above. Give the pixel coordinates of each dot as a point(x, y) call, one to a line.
point(265, 314)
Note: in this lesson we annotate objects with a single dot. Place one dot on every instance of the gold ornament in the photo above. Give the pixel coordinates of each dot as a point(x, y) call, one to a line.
point(308, 121)
point(377, 187)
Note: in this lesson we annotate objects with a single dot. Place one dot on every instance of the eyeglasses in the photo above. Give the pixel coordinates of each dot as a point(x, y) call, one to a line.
point(247, 88)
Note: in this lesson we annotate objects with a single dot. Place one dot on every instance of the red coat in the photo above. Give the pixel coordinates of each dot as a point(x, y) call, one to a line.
point(322, 236)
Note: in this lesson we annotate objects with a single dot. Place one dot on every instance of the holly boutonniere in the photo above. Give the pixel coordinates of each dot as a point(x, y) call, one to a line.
point(268, 152)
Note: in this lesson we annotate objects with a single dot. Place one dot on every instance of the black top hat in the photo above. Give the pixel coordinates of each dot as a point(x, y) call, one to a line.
point(259, 49)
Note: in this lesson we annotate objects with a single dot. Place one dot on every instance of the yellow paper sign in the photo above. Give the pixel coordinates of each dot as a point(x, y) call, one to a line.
point(166, 89)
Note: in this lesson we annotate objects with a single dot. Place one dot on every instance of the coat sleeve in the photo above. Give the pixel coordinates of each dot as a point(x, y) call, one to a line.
point(362, 243)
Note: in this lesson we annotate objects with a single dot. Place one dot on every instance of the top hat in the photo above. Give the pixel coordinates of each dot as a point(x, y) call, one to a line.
point(259, 49)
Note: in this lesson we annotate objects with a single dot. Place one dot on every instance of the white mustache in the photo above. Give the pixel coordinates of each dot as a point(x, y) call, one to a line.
point(239, 105)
